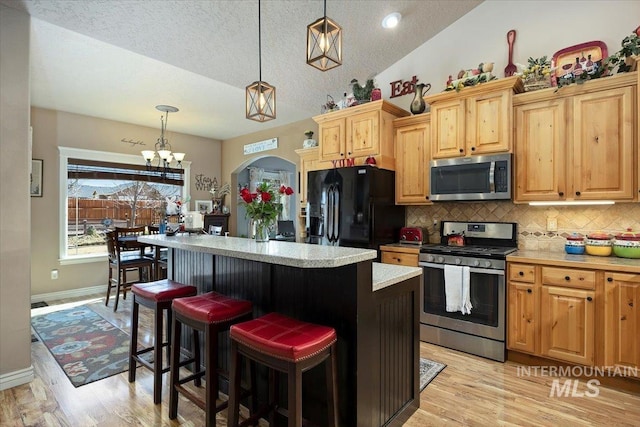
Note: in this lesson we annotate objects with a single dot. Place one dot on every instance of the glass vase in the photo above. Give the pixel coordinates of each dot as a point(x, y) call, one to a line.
point(263, 227)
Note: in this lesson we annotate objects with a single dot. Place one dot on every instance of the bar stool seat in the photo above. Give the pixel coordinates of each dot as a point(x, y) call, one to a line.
point(210, 313)
point(287, 345)
point(158, 296)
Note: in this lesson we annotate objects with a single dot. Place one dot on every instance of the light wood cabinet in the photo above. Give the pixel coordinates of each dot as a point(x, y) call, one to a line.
point(355, 133)
point(474, 121)
point(577, 143)
point(622, 321)
point(412, 136)
point(567, 326)
point(400, 255)
point(523, 296)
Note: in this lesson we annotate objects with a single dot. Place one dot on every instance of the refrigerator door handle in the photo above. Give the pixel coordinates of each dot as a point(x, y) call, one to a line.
point(329, 217)
point(336, 215)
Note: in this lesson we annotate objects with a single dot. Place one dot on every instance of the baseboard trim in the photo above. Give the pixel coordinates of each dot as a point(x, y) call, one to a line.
point(16, 378)
point(72, 293)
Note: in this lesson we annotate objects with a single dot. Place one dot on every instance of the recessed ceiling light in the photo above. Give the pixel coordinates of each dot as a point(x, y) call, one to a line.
point(391, 20)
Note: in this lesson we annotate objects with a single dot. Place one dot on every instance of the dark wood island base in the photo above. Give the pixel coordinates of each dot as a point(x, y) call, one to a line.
point(376, 318)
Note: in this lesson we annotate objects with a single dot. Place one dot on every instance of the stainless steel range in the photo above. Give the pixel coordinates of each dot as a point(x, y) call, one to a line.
point(482, 257)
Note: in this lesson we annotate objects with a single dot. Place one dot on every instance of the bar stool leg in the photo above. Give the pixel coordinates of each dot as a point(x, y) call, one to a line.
point(234, 378)
point(175, 369)
point(330, 373)
point(211, 374)
point(294, 380)
point(133, 343)
point(157, 355)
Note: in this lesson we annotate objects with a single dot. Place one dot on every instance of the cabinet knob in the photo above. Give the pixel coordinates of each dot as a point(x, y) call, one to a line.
point(520, 273)
point(609, 279)
point(529, 291)
point(349, 153)
point(473, 148)
point(426, 197)
point(561, 193)
point(461, 150)
point(577, 193)
point(342, 154)
point(567, 278)
point(589, 299)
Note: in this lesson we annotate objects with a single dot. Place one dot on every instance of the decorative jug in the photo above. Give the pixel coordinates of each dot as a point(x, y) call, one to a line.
point(417, 105)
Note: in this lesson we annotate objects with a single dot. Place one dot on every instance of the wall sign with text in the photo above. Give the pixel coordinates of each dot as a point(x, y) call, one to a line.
point(256, 147)
point(399, 88)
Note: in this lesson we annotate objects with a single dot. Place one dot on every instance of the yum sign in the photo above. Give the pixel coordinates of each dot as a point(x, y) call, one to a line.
point(399, 88)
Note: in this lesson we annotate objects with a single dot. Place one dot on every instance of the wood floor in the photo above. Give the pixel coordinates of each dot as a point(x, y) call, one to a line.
point(469, 391)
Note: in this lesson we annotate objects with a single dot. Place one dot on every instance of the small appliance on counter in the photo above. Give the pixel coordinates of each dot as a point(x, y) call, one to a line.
point(412, 235)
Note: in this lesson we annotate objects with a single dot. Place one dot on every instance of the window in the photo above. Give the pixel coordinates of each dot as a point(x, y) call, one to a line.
point(103, 190)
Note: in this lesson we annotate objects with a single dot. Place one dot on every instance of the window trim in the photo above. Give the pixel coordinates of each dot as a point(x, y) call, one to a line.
point(80, 153)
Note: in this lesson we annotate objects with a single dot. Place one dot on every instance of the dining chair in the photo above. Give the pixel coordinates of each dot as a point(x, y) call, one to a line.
point(215, 230)
point(159, 256)
point(123, 259)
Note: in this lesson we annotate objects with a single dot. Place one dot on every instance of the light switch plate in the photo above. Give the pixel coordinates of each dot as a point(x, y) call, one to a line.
point(552, 224)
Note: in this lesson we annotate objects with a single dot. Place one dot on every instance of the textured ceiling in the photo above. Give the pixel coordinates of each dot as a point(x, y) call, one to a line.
point(117, 59)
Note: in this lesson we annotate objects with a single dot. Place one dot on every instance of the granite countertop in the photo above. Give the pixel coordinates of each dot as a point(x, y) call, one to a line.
point(301, 255)
point(385, 275)
point(562, 259)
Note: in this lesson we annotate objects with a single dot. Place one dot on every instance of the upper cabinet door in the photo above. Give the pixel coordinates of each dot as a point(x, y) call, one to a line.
point(603, 145)
point(448, 129)
point(540, 151)
point(332, 140)
point(363, 134)
point(489, 123)
point(412, 164)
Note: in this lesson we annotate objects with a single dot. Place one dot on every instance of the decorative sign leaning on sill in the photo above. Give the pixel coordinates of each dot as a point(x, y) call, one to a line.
point(256, 147)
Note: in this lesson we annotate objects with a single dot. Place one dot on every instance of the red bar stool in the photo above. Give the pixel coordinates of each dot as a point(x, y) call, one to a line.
point(210, 313)
point(286, 345)
point(158, 296)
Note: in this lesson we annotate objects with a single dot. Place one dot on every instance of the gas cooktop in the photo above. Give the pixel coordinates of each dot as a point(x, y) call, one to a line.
point(472, 250)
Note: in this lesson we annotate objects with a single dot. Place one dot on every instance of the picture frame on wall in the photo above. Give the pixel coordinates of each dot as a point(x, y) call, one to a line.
point(204, 206)
point(36, 178)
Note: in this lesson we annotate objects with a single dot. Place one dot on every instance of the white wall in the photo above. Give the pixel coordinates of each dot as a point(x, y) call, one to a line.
point(542, 28)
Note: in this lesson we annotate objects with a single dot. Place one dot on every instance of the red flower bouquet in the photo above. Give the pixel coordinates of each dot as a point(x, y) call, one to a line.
point(264, 206)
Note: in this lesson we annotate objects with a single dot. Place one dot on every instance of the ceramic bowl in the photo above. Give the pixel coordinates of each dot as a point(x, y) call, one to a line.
point(597, 242)
point(574, 249)
point(626, 251)
point(598, 250)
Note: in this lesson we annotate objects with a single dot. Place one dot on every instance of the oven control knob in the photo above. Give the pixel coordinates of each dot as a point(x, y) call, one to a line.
point(476, 263)
point(440, 259)
point(430, 258)
point(458, 261)
point(487, 264)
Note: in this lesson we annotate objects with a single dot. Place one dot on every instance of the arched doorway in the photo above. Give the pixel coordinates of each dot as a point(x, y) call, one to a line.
point(267, 168)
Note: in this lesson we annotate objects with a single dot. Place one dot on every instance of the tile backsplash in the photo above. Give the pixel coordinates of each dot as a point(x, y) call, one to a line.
point(532, 220)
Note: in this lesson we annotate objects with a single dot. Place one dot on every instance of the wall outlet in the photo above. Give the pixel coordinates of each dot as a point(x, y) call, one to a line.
point(54, 274)
point(552, 224)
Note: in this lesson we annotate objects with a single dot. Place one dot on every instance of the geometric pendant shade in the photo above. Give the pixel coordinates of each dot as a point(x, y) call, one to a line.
point(324, 43)
point(260, 96)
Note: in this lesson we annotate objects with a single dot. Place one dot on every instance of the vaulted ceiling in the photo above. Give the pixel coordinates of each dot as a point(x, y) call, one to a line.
point(118, 59)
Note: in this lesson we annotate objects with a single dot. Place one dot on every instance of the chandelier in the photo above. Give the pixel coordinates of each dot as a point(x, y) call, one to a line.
point(260, 96)
point(324, 43)
point(162, 149)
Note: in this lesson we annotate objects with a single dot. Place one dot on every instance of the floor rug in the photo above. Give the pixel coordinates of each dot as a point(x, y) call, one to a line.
point(86, 346)
point(428, 371)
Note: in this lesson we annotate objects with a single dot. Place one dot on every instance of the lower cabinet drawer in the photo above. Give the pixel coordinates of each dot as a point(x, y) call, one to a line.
point(569, 278)
point(399, 258)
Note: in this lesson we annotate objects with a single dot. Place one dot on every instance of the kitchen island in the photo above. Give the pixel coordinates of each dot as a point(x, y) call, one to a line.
point(373, 307)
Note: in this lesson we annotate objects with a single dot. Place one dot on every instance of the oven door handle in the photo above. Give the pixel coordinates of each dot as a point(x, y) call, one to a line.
point(471, 269)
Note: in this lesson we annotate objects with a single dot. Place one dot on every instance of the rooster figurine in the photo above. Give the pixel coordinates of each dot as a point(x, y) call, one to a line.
point(362, 93)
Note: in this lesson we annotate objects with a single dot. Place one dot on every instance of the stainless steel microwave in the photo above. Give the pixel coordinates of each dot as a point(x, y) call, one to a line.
point(471, 178)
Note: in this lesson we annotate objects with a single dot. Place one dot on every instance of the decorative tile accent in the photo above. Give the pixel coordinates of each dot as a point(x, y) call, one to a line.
point(532, 220)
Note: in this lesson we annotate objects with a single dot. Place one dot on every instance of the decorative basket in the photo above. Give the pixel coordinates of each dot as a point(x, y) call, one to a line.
point(533, 82)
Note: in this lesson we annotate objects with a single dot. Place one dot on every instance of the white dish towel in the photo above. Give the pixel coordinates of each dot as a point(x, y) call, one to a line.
point(453, 287)
point(466, 306)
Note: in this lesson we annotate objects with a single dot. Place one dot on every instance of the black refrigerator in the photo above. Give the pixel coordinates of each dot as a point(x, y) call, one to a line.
point(353, 206)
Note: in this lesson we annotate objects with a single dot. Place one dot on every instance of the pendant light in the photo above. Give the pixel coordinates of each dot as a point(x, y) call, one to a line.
point(260, 96)
point(162, 149)
point(324, 43)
